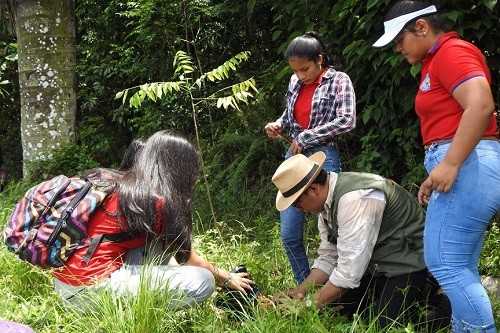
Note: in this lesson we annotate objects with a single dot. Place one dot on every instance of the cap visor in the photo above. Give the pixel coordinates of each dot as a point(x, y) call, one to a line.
point(386, 39)
point(394, 26)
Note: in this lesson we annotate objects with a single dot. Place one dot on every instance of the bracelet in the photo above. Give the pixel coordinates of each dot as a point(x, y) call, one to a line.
point(216, 271)
point(308, 301)
point(228, 281)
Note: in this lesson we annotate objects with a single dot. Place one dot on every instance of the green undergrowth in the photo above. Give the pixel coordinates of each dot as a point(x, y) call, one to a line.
point(28, 295)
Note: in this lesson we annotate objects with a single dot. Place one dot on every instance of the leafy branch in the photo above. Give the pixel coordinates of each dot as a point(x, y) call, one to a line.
point(226, 97)
point(183, 64)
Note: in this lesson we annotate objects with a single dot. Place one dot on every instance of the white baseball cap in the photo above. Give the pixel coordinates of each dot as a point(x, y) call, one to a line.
point(393, 27)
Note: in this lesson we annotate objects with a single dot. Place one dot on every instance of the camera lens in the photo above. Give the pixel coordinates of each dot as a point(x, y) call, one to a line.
point(239, 269)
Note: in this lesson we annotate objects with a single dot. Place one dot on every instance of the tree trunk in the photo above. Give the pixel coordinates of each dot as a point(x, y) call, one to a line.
point(47, 69)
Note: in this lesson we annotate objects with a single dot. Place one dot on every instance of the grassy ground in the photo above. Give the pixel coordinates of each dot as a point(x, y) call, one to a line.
point(28, 297)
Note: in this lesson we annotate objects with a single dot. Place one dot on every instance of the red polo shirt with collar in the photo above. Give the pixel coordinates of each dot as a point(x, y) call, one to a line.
point(450, 62)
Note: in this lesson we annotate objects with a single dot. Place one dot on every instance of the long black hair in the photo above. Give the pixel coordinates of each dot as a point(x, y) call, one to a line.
point(128, 158)
point(309, 46)
point(409, 6)
point(158, 188)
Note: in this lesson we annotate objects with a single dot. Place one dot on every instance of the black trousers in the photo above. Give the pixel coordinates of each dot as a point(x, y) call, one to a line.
point(396, 300)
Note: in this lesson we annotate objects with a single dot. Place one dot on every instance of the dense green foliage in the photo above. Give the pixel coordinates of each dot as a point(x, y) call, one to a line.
point(123, 44)
point(10, 136)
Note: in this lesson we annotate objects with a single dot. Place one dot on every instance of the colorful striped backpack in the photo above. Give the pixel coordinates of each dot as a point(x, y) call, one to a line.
point(50, 222)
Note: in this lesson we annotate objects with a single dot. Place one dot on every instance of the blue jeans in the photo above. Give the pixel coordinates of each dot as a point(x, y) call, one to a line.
point(454, 233)
point(292, 220)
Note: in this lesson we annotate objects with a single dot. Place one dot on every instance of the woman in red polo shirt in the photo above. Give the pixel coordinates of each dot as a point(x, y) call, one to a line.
point(152, 200)
point(462, 154)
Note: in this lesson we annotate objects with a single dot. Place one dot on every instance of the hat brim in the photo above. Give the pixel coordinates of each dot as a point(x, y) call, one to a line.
point(282, 202)
point(394, 26)
point(387, 38)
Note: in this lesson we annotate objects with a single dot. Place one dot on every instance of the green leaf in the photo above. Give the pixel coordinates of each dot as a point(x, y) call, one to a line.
point(183, 63)
point(158, 90)
point(277, 18)
point(276, 34)
point(125, 96)
point(150, 93)
point(453, 15)
point(293, 23)
point(415, 69)
point(490, 4)
point(252, 84)
point(187, 68)
point(367, 114)
point(283, 72)
point(250, 7)
point(135, 101)
point(371, 3)
point(377, 113)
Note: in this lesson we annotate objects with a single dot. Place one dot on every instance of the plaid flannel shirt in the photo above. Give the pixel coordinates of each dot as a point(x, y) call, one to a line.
point(333, 110)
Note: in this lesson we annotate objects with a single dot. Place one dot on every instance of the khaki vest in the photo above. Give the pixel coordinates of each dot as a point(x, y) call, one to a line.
point(399, 247)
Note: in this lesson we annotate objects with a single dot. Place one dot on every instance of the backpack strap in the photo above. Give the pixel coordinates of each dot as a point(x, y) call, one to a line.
point(96, 240)
point(36, 225)
point(65, 215)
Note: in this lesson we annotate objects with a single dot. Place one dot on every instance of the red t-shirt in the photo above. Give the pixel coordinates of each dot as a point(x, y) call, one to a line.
point(450, 62)
point(108, 256)
point(303, 104)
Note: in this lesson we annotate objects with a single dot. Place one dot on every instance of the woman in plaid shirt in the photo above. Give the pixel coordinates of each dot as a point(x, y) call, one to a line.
point(320, 105)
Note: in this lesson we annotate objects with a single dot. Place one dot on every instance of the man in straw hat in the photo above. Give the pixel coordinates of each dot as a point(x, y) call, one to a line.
point(371, 240)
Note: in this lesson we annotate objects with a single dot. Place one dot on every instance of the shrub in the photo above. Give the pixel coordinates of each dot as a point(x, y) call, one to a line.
point(489, 263)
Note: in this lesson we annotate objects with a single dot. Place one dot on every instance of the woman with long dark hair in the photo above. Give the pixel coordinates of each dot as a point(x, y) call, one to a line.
point(151, 200)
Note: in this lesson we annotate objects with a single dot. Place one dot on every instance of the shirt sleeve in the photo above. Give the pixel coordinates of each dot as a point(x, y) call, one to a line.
point(283, 119)
point(287, 114)
point(327, 251)
point(459, 63)
point(341, 114)
point(359, 218)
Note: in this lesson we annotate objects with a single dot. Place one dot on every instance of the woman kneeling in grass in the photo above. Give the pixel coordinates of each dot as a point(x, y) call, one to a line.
point(152, 200)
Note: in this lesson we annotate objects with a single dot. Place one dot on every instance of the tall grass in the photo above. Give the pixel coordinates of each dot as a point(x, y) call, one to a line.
point(28, 295)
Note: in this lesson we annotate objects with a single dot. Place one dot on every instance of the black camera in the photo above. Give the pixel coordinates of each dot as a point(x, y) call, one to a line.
point(237, 301)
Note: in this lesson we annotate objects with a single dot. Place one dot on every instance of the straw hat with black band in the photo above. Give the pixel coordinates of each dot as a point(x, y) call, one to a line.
point(394, 26)
point(294, 176)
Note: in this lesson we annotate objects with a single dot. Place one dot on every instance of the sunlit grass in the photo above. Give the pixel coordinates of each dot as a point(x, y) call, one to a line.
point(28, 295)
